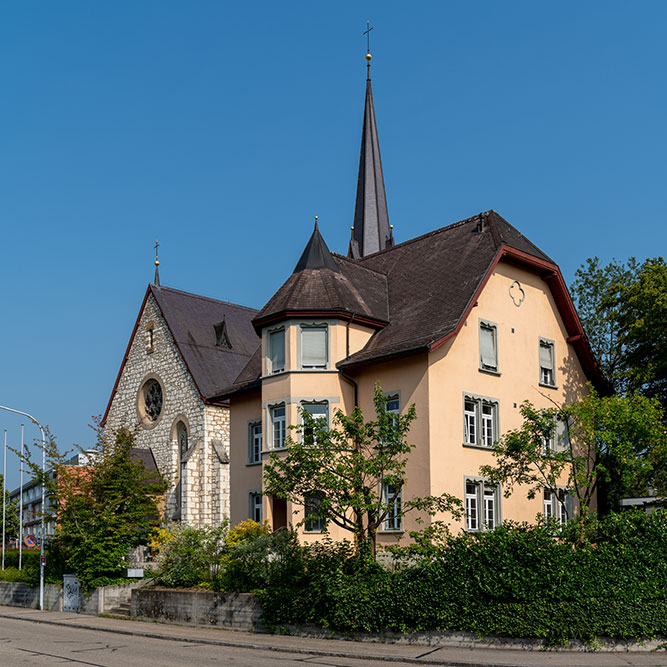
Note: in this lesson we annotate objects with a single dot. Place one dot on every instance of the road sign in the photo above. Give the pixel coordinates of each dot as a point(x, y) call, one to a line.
point(30, 541)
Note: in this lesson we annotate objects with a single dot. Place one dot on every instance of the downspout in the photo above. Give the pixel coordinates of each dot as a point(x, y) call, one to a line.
point(347, 355)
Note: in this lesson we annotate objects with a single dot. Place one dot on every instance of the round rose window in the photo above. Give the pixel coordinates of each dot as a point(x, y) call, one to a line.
point(152, 394)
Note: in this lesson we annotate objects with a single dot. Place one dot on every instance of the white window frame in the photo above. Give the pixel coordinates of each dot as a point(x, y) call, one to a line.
point(314, 326)
point(395, 410)
point(393, 521)
point(492, 327)
point(312, 525)
point(325, 414)
point(255, 505)
point(545, 380)
point(269, 353)
point(558, 505)
point(276, 421)
point(481, 421)
point(480, 497)
point(559, 440)
point(255, 441)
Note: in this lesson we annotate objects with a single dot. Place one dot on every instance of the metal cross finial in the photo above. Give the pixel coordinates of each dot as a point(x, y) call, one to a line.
point(156, 280)
point(367, 32)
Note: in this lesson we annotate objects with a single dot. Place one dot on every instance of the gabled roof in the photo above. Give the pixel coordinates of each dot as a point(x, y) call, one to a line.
point(433, 278)
point(191, 320)
point(434, 281)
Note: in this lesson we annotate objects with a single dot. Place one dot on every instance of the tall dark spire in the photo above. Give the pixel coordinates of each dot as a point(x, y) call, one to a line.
point(371, 231)
point(316, 255)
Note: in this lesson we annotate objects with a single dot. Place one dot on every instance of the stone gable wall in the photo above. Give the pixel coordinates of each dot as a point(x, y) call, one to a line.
point(206, 488)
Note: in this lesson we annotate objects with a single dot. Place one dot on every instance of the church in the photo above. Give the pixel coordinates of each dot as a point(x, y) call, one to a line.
point(466, 322)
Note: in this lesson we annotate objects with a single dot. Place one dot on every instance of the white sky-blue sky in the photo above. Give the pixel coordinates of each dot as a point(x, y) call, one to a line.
point(222, 129)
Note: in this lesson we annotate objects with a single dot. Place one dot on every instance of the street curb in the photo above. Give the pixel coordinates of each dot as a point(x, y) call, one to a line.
point(279, 649)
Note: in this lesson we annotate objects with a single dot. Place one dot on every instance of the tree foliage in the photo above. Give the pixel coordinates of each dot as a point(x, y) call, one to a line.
point(623, 309)
point(101, 510)
point(345, 468)
point(11, 515)
point(641, 313)
point(615, 445)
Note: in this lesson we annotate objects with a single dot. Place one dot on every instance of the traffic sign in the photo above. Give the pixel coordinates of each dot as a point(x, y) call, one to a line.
point(30, 541)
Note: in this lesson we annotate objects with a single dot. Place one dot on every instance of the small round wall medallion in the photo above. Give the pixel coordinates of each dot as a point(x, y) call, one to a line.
point(517, 293)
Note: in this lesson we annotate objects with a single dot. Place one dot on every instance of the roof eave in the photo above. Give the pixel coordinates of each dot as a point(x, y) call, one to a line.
point(389, 356)
point(338, 313)
point(253, 385)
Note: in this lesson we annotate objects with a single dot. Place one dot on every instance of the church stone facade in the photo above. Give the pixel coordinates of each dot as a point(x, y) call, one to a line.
point(160, 395)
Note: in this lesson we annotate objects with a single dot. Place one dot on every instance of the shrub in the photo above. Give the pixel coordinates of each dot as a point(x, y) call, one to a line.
point(606, 578)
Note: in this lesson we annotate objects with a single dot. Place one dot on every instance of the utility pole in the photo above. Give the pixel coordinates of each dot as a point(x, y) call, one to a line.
point(42, 559)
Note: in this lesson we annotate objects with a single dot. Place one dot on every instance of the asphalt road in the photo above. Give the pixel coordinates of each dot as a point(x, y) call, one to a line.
point(30, 637)
point(24, 643)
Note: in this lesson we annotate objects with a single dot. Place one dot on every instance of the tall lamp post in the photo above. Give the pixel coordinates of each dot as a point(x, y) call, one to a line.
point(41, 552)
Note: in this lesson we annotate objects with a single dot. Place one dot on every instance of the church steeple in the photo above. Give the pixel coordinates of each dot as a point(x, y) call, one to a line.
point(316, 255)
point(371, 231)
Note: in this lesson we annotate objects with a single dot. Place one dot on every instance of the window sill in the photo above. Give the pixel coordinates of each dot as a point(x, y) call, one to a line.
point(490, 371)
point(391, 531)
point(274, 449)
point(254, 463)
point(483, 447)
point(548, 386)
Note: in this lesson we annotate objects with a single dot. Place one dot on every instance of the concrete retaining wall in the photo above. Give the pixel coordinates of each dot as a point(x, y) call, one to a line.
point(100, 600)
point(18, 594)
point(231, 611)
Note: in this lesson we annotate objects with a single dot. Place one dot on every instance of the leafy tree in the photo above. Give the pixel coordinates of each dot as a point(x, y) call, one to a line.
point(592, 291)
point(641, 314)
point(103, 510)
point(11, 516)
point(615, 445)
point(344, 468)
point(623, 309)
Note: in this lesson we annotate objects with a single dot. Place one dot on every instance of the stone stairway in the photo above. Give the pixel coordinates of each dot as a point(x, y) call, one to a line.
point(120, 609)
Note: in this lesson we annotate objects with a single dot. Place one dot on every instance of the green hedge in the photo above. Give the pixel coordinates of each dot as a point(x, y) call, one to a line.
point(607, 578)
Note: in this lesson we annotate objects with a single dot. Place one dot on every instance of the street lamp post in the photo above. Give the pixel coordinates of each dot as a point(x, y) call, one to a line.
point(41, 553)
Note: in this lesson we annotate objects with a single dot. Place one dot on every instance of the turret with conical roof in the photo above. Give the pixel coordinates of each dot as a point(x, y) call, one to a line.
point(316, 255)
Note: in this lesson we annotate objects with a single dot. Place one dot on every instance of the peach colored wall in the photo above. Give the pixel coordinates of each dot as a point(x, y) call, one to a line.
point(454, 369)
point(245, 408)
point(435, 382)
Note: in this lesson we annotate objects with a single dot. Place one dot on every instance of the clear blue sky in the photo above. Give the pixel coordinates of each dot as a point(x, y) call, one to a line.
point(222, 128)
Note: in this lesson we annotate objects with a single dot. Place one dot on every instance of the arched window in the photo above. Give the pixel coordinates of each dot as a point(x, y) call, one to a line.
point(180, 434)
point(182, 437)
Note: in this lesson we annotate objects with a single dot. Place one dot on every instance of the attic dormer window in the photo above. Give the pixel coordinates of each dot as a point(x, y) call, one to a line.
point(221, 336)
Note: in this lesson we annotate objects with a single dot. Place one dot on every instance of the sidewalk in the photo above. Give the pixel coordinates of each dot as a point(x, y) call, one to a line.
point(371, 651)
